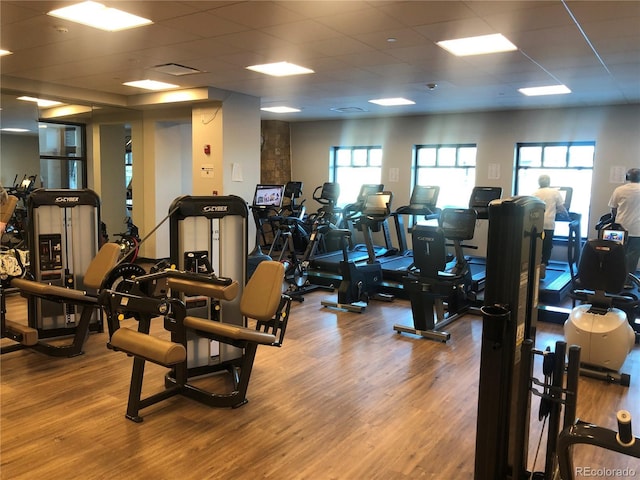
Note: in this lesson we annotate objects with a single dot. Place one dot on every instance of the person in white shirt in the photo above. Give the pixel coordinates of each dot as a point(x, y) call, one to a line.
point(625, 208)
point(554, 205)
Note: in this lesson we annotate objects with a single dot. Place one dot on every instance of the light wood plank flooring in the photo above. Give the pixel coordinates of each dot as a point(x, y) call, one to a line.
point(345, 398)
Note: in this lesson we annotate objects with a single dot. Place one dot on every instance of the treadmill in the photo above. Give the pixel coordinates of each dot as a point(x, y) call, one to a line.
point(329, 263)
point(559, 276)
point(422, 204)
point(479, 201)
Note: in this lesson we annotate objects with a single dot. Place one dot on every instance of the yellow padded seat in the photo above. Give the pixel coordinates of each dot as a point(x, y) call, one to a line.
point(154, 349)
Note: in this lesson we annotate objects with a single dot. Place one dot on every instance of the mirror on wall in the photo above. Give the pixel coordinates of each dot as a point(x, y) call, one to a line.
point(19, 149)
point(91, 147)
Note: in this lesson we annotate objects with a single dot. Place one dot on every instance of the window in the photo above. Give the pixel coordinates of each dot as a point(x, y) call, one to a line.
point(352, 167)
point(568, 165)
point(62, 155)
point(451, 167)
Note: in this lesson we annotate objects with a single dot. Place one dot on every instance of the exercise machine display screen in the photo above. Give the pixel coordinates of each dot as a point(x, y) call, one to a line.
point(458, 224)
point(293, 189)
point(377, 204)
point(369, 189)
point(482, 196)
point(268, 196)
point(617, 236)
point(566, 193)
point(424, 196)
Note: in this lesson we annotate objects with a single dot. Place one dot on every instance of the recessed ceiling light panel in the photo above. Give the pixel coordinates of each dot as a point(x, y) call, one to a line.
point(480, 45)
point(392, 102)
point(151, 85)
point(548, 90)
point(4, 52)
point(40, 101)
point(280, 69)
point(15, 130)
point(280, 109)
point(96, 15)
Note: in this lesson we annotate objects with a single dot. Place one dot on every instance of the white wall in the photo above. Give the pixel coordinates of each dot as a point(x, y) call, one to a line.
point(172, 176)
point(615, 129)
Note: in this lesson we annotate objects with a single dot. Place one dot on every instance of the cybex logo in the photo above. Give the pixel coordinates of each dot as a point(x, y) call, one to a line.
point(67, 199)
point(425, 239)
point(215, 208)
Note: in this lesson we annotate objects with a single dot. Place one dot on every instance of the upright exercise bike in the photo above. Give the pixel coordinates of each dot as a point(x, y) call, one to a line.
point(431, 284)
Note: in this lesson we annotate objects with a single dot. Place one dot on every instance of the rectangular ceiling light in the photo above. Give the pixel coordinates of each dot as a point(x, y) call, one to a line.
point(96, 15)
point(40, 101)
point(280, 109)
point(392, 102)
point(4, 52)
point(151, 85)
point(480, 45)
point(15, 130)
point(548, 90)
point(280, 69)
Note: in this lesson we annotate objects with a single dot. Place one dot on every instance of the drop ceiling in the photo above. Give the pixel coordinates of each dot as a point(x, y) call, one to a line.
point(359, 51)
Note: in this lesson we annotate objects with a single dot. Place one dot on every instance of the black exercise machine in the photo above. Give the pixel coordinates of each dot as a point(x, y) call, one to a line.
point(479, 201)
point(155, 295)
point(324, 219)
point(432, 284)
point(86, 300)
point(422, 206)
point(582, 433)
point(267, 202)
point(329, 263)
point(557, 284)
point(507, 351)
point(361, 282)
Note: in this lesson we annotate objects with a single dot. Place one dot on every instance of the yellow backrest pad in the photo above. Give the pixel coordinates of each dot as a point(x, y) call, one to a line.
point(261, 295)
point(101, 265)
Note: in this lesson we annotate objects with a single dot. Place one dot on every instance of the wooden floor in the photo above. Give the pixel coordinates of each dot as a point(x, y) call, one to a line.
point(345, 398)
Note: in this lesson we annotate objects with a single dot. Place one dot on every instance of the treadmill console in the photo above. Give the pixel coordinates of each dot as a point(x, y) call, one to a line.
point(481, 197)
point(458, 223)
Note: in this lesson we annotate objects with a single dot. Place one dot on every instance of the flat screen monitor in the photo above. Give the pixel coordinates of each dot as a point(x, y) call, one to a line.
point(482, 196)
point(618, 236)
point(268, 196)
point(458, 223)
point(369, 189)
point(330, 191)
point(424, 196)
point(378, 204)
point(293, 189)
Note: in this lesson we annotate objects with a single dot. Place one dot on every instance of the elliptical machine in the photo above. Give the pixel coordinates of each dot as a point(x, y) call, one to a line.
point(361, 282)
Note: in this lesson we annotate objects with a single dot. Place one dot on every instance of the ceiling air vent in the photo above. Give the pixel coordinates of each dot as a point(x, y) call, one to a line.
point(349, 109)
point(175, 69)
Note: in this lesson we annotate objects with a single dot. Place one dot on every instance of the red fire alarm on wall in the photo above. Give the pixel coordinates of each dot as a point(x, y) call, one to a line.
point(207, 149)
